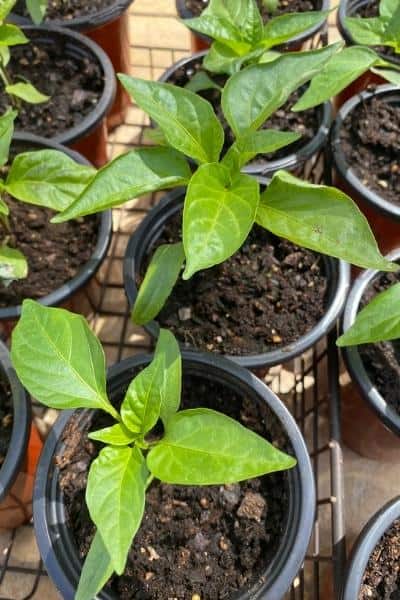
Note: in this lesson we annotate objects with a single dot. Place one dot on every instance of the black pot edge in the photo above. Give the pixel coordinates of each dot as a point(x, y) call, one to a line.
point(352, 357)
point(184, 13)
point(136, 248)
point(92, 120)
point(21, 424)
point(84, 23)
point(289, 559)
point(339, 162)
point(87, 270)
point(364, 546)
point(296, 159)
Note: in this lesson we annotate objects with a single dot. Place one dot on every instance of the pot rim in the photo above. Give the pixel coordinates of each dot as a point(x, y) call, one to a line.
point(352, 356)
point(48, 506)
point(21, 424)
point(339, 161)
point(106, 100)
point(139, 241)
point(88, 269)
point(295, 159)
point(365, 544)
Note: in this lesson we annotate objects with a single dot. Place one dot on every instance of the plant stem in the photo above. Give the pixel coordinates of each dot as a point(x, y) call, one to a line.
point(7, 81)
point(149, 480)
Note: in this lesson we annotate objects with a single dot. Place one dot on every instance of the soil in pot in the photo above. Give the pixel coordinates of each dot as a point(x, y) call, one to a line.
point(66, 9)
point(284, 6)
point(210, 540)
point(6, 419)
point(382, 575)
point(267, 295)
point(370, 138)
point(74, 85)
point(55, 253)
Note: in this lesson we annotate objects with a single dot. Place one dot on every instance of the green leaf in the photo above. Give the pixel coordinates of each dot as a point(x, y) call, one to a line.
point(387, 7)
point(379, 321)
point(366, 31)
point(321, 218)
point(13, 264)
point(129, 176)
point(222, 59)
point(115, 497)
point(4, 55)
point(218, 214)
point(252, 95)
point(96, 570)
point(241, 14)
point(342, 69)
point(204, 447)
point(47, 178)
point(11, 35)
point(6, 133)
point(6, 7)
point(285, 27)
point(58, 359)
point(215, 27)
point(389, 74)
point(37, 10)
point(116, 435)
point(171, 384)
point(160, 278)
point(27, 92)
point(392, 31)
point(201, 81)
point(187, 120)
point(4, 210)
point(259, 142)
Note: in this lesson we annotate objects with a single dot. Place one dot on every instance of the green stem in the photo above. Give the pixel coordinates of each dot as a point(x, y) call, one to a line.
point(7, 81)
point(149, 480)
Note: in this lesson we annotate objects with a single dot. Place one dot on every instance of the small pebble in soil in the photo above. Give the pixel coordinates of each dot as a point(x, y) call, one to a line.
point(252, 506)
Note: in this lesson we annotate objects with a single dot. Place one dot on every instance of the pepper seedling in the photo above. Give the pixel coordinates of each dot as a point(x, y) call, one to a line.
point(383, 30)
point(61, 363)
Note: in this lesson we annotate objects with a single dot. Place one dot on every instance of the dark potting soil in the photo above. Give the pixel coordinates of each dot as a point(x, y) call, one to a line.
point(54, 253)
point(6, 418)
point(370, 138)
point(306, 123)
point(74, 85)
point(382, 360)
point(267, 295)
point(67, 9)
point(382, 575)
point(210, 540)
point(284, 6)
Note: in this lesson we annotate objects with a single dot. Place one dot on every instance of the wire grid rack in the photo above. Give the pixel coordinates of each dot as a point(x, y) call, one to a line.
point(308, 386)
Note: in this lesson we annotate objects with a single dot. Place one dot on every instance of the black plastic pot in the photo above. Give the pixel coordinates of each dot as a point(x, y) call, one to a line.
point(382, 215)
point(365, 545)
point(56, 545)
point(23, 143)
point(352, 356)
point(291, 162)
point(21, 424)
point(140, 245)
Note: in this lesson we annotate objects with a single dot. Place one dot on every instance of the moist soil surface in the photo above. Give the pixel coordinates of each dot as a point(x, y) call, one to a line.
point(6, 419)
point(284, 6)
point(74, 85)
point(67, 9)
point(382, 575)
point(264, 297)
point(210, 540)
point(305, 123)
point(370, 139)
point(382, 360)
point(54, 253)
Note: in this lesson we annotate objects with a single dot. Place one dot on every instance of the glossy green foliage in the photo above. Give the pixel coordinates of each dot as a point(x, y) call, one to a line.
point(383, 30)
point(13, 264)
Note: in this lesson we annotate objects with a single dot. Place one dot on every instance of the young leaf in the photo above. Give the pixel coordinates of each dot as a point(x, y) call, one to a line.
point(366, 31)
point(171, 384)
point(128, 176)
point(379, 321)
point(160, 278)
point(6, 7)
point(187, 120)
point(96, 570)
point(11, 35)
point(218, 214)
point(216, 27)
point(252, 95)
point(388, 7)
point(37, 10)
point(392, 32)
point(27, 92)
point(116, 435)
point(47, 178)
point(201, 81)
point(58, 359)
point(321, 218)
point(6, 133)
point(13, 264)
point(285, 27)
point(242, 14)
point(204, 447)
point(4, 55)
point(222, 59)
point(115, 497)
point(4, 210)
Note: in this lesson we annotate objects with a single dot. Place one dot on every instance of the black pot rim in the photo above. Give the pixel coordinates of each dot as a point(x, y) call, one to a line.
point(87, 270)
point(346, 11)
point(83, 23)
point(21, 424)
point(185, 13)
point(352, 356)
point(340, 163)
point(92, 120)
point(365, 545)
point(138, 244)
point(293, 546)
point(266, 168)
